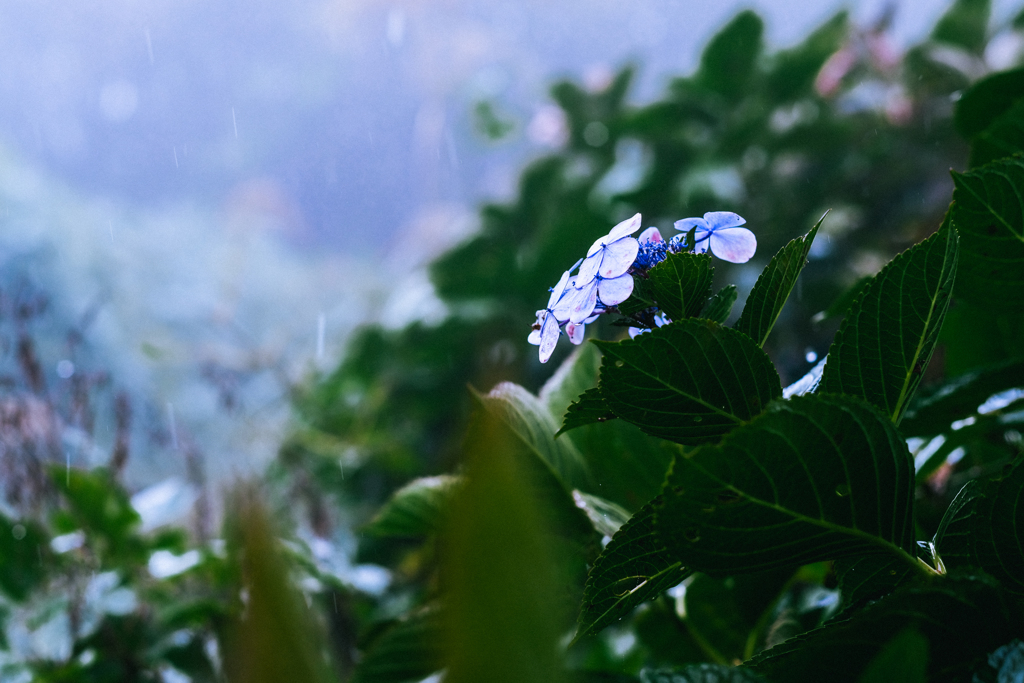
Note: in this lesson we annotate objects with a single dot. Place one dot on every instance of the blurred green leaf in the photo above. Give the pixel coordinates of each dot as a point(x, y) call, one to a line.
point(729, 60)
point(987, 100)
point(887, 339)
point(793, 71)
point(98, 506)
point(703, 378)
point(408, 650)
point(573, 377)
point(633, 568)
point(417, 509)
point(988, 212)
point(24, 557)
point(904, 658)
point(965, 24)
point(1003, 138)
point(770, 292)
point(606, 516)
point(814, 478)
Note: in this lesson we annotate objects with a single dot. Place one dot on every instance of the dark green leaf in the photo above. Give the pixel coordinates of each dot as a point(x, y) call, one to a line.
point(933, 412)
point(842, 303)
point(416, 509)
point(1003, 138)
point(794, 70)
point(965, 25)
point(720, 305)
point(766, 299)
point(962, 618)
point(986, 101)
point(727, 615)
point(814, 478)
point(691, 381)
point(589, 408)
point(606, 516)
point(700, 673)
point(642, 297)
point(408, 650)
point(633, 568)
point(988, 212)
point(729, 60)
point(681, 284)
point(573, 377)
point(887, 339)
point(23, 544)
point(870, 577)
point(984, 527)
point(904, 658)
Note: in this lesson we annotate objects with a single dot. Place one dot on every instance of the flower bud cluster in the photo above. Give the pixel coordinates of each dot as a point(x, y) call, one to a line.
point(604, 278)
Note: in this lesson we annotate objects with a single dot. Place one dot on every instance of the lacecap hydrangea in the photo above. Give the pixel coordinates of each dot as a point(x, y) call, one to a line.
point(603, 279)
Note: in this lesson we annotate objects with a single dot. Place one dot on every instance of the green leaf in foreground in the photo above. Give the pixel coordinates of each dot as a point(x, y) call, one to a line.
point(681, 284)
point(988, 212)
point(984, 527)
point(589, 408)
point(887, 339)
point(633, 568)
point(814, 478)
point(770, 292)
point(416, 509)
point(690, 382)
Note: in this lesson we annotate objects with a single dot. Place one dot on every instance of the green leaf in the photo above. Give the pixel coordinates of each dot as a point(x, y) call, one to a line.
point(530, 420)
point(988, 212)
point(574, 376)
point(984, 528)
point(794, 70)
point(633, 568)
point(887, 339)
point(932, 412)
point(730, 58)
point(408, 650)
point(766, 299)
point(416, 509)
point(814, 478)
point(606, 516)
point(700, 673)
point(962, 618)
point(870, 577)
point(965, 25)
point(23, 545)
point(1003, 138)
point(986, 101)
point(681, 284)
point(690, 382)
point(720, 305)
point(589, 408)
point(904, 658)
point(726, 616)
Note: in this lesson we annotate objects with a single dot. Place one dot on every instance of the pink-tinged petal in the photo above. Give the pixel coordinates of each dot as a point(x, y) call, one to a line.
point(575, 332)
point(618, 257)
point(548, 338)
point(723, 219)
point(650, 235)
point(588, 269)
point(615, 290)
point(686, 224)
point(558, 290)
point(735, 245)
point(584, 304)
point(626, 227)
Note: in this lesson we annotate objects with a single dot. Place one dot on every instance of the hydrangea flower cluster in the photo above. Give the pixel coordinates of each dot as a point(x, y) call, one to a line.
point(604, 278)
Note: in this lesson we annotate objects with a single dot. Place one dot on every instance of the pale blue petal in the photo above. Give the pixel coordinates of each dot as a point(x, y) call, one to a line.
point(618, 257)
point(626, 227)
point(585, 302)
point(686, 224)
point(558, 290)
point(548, 338)
point(723, 219)
point(534, 337)
point(588, 270)
point(735, 245)
point(615, 290)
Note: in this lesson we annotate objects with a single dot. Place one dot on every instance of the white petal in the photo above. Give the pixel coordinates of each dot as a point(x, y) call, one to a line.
point(701, 247)
point(548, 338)
point(534, 337)
point(615, 290)
point(626, 227)
point(584, 304)
point(588, 270)
point(558, 290)
point(575, 332)
point(652, 235)
point(618, 257)
point(723, 219)
point(564, 306)
point(687, 223)
point(735, 245)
